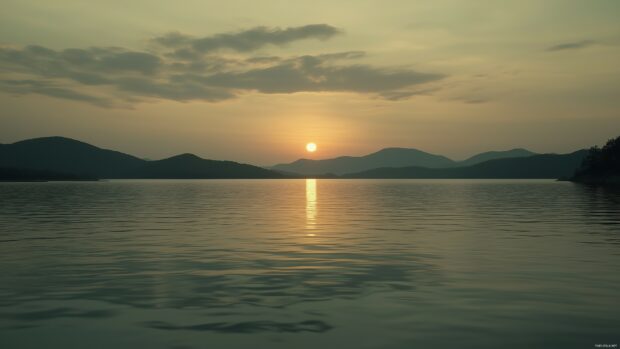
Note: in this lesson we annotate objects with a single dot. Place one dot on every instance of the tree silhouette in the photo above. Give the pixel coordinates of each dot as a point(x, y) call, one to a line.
point(601, 165)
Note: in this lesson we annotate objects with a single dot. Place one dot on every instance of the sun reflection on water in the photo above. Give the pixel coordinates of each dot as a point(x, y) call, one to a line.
point(310, 204)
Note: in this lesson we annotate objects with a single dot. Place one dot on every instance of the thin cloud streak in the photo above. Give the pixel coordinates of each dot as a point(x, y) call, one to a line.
point(247, 40)
point(572, 45)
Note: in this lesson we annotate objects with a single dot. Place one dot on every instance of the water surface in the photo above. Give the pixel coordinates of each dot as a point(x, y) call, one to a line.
point(309, 263)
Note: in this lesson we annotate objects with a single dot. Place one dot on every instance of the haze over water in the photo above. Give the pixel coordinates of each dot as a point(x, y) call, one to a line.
point(309, 263)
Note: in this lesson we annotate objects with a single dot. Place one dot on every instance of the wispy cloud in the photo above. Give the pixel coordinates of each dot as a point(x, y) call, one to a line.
point(51, 90)
point(247, 40)
point(572, 45)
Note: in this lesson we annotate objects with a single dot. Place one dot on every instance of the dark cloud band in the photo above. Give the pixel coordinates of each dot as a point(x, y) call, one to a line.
point(247, 40)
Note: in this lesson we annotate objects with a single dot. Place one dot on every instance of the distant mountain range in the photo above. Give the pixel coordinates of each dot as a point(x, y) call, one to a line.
point(65, 157)
point(191, 166)
point(536, 166)
point(59, 158)
point(390, 157)
point(493, 155)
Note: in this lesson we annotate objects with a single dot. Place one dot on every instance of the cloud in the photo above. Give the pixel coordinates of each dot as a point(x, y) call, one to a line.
point(312, 74)
point(245, 41)
point(117, 76)
point(51, 90)
point(174, 89)
point(572, 45)
point(173, 39)
point(49, 62)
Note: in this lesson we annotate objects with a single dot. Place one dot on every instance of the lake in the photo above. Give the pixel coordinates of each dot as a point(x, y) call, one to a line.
point(309, 264)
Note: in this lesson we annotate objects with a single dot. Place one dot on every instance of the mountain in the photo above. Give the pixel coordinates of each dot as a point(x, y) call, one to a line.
point(59, 158)
point(601, 165)
point(492, 155)
point(191, 166)
point(537, 166)
point(65, 155)
point(51, 157)
point(388, 157)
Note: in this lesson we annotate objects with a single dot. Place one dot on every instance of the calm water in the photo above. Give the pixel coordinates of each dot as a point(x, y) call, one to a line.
point(309, 264)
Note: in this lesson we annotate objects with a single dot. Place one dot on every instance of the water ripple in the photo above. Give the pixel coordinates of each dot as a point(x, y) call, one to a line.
point(302, 263)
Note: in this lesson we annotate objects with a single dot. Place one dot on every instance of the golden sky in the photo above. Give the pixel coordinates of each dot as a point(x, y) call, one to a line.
point(254, 81)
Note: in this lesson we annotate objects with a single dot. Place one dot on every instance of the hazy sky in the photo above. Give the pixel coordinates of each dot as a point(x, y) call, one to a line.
point(254, 81)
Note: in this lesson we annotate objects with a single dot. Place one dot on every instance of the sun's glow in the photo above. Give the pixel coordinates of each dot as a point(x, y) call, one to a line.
point(311, 147)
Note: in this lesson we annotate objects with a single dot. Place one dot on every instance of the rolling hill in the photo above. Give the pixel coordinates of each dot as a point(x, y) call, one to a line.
point(493, 155)
point(186, 166)
point(65, 158)
point(65, 155)
point(55, 157)
point(537, 166)
point(388, 157)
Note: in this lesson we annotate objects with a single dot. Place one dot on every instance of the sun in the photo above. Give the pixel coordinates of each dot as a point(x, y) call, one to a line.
point(311, 147)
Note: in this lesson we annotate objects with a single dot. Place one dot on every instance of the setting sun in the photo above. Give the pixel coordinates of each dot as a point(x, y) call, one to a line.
point(311, 147)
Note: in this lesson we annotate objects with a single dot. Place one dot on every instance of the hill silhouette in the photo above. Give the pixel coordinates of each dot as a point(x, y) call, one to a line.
point(59, 158)
point(601, 165)
point(390, 157)
point(191, 166)
point(65, 157)
point(492, 155)
point(536, 166)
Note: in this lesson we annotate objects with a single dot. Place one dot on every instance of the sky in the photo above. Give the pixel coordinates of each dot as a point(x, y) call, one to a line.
point(254, 81)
